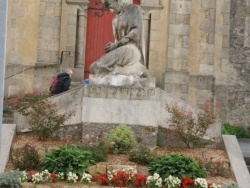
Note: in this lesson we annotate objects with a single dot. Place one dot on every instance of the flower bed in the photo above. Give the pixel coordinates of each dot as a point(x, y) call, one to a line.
point(115, 178)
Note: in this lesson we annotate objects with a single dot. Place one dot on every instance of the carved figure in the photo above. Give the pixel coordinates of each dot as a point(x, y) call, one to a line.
point(125, 56)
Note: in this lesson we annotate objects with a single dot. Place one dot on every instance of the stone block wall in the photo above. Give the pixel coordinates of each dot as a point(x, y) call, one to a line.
point(176, 77)
point(198, 51)
point(48, 43)
point(49, 31)
point(21, 46)
point(238, 67)
point(221, 56)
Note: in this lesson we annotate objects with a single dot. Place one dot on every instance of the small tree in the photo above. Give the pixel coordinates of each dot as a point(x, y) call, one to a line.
point(189, 128)
point(42, 115)
point(120, 139)
point(44, 118)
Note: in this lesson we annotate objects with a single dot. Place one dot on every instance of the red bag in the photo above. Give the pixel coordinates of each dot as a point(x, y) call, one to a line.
point(53, 83)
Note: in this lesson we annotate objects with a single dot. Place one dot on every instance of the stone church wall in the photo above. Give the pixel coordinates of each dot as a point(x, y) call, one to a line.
point(48, 53)
point(22, 43)
point(238, 70)
point(197, 50)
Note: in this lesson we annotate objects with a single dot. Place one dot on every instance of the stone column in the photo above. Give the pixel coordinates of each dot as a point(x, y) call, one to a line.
point(201, 52)
point(80, 39)
point(3, 22)
point(176, 78)
point(74, 21)
point(221, 56)
point(146, 22)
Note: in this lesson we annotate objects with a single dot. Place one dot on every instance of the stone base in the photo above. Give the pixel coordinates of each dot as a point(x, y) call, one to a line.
point(120, 92)
point(121, 80)
point(113, 169)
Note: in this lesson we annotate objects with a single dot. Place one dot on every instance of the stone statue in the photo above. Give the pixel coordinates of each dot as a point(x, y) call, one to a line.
point(126, 55)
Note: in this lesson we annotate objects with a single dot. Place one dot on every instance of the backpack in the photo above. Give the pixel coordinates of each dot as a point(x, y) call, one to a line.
point(53, 83)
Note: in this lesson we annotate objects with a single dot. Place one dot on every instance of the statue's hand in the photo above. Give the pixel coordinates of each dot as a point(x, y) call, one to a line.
point(112, 46)
point(109, 47)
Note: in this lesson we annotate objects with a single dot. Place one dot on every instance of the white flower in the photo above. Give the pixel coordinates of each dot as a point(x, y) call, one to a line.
point(86, 178)
point(131, 170)
point(72, 177)
point(172, 182)
point(45, 176)
point(154, 181)
point(41, 177)
point(24, 177)
point(36, 178)
point(60, 176)
point(200, 183)
point(111, 174)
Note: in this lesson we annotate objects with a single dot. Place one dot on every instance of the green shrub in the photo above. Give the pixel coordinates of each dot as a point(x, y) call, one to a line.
point(10, 179)
point(99, 152)
point(44, 118)
point(189, 128)
point(67, 159)
point(42, 115)
point(25, 158)
point(24, 101)
point(239, 132)
point(177, 165)
point(143, 155)
point(120, 139)
point(160, 143)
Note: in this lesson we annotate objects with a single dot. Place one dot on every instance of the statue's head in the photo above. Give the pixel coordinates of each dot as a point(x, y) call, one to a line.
point(111, 4)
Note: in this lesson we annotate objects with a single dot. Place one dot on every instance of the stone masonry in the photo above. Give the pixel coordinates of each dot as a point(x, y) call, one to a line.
point(176, 77)
point(197, 50)
point(21, 47)
point(238, 68)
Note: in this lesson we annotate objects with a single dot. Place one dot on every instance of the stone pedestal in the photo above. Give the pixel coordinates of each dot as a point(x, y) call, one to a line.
point(122, 80)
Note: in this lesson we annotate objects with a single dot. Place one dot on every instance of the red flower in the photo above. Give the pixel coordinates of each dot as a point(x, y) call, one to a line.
point(140, 180)
point(53, 176)
point(187, 182)
point(102, 179)
point(121, 179)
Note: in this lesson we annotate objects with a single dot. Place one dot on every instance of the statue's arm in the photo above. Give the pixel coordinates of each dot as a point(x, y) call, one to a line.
point(112, 46)
point(134, 28)
point(131, 36)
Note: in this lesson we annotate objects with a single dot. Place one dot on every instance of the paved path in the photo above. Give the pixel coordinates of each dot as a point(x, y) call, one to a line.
point(244, 146)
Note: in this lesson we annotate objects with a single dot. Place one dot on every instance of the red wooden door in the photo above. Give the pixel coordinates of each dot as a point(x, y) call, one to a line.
point(137, 2)
point(99, 32)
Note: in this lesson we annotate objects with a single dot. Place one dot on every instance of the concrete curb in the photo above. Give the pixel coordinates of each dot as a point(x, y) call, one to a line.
point(8, 132)
point(237, 161)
